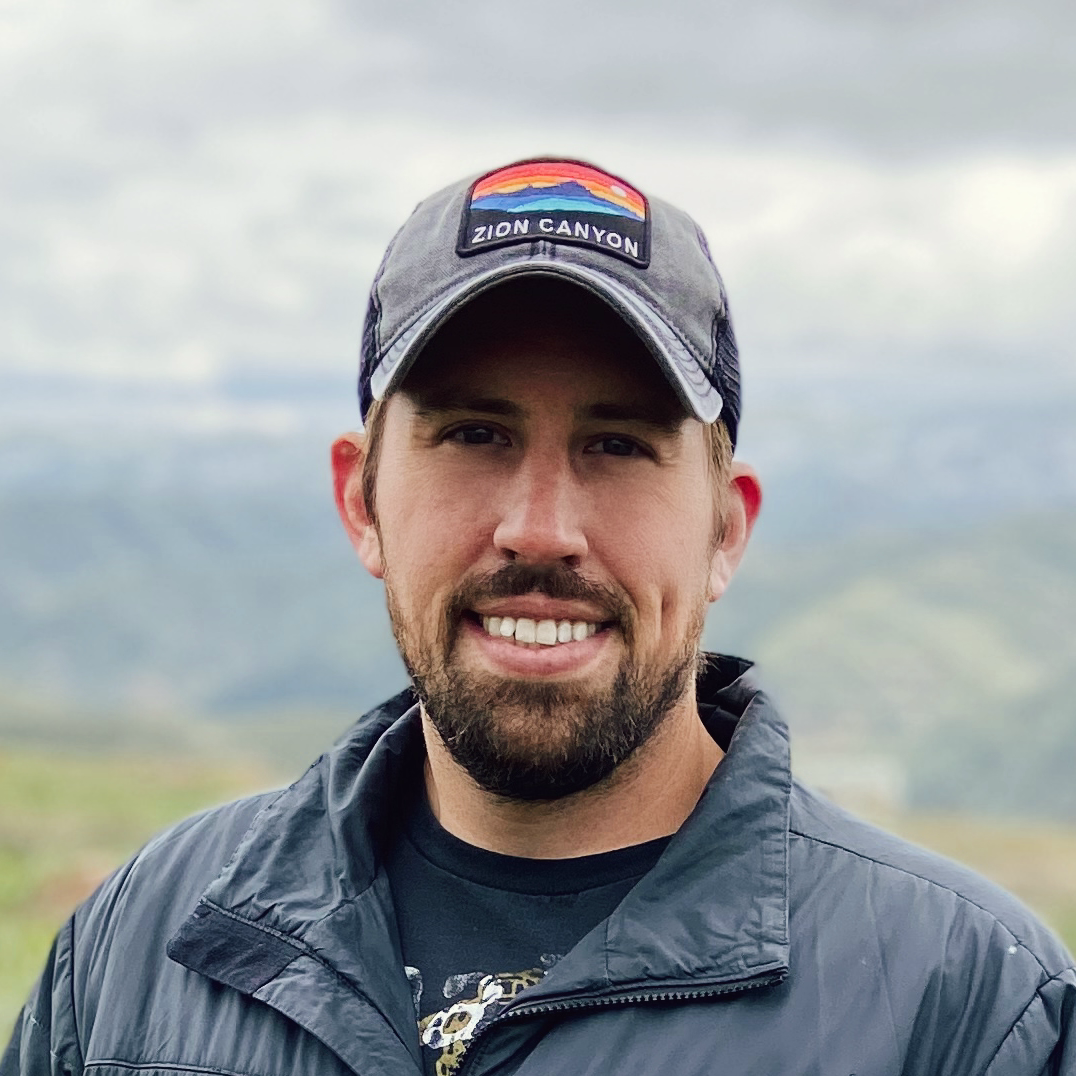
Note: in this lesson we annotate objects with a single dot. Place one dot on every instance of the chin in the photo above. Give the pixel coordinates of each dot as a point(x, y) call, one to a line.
point(543, 741)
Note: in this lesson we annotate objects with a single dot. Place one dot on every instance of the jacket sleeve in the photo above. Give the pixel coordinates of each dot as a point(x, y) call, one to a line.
point(1042, 1042)
point(45, 1040)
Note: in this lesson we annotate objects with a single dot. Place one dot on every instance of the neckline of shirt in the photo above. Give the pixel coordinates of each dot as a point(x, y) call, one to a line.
point(546, 877)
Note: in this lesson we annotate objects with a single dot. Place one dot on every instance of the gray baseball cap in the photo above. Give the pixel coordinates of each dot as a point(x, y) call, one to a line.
point(568, 219)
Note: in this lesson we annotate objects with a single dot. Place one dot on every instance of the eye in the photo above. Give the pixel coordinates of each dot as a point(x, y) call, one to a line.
point(616, 446)
point(476, 434)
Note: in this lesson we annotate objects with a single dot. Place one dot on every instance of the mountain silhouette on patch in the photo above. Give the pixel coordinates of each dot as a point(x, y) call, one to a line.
point(569, 195)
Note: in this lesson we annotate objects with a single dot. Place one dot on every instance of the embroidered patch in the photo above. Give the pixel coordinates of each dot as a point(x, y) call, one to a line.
point(562, 201)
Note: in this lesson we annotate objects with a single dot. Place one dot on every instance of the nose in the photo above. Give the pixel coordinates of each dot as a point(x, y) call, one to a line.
point(540, 514)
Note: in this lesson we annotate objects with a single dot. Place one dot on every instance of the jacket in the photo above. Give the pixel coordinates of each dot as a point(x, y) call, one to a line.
point(775, 935)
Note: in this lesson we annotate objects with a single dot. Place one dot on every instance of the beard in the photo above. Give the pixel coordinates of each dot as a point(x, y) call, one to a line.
point(527, 741)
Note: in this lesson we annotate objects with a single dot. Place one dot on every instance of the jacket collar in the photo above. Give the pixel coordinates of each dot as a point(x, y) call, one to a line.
point(304, 884)
point(714, 908)
point(301, 919)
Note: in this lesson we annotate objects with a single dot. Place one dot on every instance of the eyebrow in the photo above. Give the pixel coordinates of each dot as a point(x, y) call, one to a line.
point(665, 419)
point(429, 404)
point(437, 402)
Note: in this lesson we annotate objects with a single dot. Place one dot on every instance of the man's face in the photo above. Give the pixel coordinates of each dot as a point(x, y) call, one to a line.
point(541, 473)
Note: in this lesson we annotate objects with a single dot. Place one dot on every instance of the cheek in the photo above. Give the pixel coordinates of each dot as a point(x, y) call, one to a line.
point(659, 549)
point(429, 538)
point(663, 525)
point(432, 492)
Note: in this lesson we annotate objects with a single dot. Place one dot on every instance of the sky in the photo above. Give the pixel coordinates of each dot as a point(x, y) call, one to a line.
point(199, 191)
point(195, 194)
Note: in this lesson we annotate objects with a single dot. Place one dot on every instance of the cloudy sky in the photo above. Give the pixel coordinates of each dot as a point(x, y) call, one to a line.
point(197, 190)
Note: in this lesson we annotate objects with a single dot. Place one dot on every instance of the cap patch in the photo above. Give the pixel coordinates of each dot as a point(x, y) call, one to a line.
point(560, 201)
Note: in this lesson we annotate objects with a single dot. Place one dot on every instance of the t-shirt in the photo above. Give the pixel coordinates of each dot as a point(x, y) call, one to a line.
point(477, 927)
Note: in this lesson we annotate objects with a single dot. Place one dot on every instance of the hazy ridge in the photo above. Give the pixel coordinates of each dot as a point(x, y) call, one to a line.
point(911, 598)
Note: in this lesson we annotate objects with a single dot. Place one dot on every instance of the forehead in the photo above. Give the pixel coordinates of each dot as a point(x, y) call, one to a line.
point(547, 340)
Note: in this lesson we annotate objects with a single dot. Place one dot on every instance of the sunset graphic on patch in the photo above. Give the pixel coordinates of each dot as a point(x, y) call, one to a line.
point(556, 201)
point(557, 186)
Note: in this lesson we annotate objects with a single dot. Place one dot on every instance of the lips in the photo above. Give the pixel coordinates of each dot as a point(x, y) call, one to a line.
point(546, 632)
point(539, 610)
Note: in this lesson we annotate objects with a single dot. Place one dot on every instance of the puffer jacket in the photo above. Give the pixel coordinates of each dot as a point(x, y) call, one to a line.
point(776, 935)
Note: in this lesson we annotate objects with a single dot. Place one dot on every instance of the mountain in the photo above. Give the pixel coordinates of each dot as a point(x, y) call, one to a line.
point(568, 195)
point(909, 591)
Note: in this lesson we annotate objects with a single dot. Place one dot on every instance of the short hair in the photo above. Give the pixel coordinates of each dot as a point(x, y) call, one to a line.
point(374, 433)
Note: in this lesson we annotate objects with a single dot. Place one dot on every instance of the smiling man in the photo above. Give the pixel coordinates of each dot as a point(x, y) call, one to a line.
point(574, 845)
point(583, 526)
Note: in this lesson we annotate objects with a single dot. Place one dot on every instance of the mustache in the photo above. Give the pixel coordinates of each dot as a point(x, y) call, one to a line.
point(557, 581)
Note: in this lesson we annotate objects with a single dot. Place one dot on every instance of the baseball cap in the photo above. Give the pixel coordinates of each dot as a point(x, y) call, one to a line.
point(568, 219)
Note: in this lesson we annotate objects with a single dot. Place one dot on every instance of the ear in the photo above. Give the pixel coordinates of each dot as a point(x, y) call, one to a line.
point(348, 456)
point(743, 499)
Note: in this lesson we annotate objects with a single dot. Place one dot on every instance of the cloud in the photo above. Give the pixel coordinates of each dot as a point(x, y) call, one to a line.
point(895, 76)
point(199, 189)
point(952, 253)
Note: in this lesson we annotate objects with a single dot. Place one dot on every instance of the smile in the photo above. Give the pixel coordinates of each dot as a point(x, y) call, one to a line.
point(527, 632)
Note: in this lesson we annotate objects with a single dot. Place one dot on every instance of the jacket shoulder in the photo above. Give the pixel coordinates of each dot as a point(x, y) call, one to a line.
point(214, 831)
point(982, 984)
point(125, 920)
point(900, 870)
point(134, 911)
point(176, 865)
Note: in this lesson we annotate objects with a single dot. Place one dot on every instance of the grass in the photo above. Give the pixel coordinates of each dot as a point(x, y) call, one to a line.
point(66, 821)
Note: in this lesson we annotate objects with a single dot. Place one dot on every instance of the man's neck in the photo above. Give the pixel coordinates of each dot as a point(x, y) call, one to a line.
point(649, 796)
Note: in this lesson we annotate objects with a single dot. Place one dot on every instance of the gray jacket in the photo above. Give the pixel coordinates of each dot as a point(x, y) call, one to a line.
point(776, 935)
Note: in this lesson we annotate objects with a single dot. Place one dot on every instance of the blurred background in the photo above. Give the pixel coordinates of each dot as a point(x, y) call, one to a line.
point(194, 199)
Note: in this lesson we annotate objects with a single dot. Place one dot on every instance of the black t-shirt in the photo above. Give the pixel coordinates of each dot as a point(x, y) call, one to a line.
point(477, 927)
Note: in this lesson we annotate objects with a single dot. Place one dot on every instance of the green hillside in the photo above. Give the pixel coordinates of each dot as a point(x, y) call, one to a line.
point(956, 654)
point(952, 652)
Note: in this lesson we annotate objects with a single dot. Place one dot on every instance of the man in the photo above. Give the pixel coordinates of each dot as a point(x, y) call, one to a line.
point(576, 846)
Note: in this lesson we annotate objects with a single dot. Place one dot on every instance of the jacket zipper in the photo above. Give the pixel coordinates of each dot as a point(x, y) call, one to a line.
point(742, 986)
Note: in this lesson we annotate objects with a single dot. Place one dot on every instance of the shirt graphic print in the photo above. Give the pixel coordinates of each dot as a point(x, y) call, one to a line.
point(478, 928)
point(472, 1000)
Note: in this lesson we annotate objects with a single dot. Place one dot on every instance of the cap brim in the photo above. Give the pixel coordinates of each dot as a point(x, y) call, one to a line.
point(683, 371)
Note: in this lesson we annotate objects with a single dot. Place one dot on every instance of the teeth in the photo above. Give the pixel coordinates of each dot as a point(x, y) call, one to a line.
point(543, 632)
